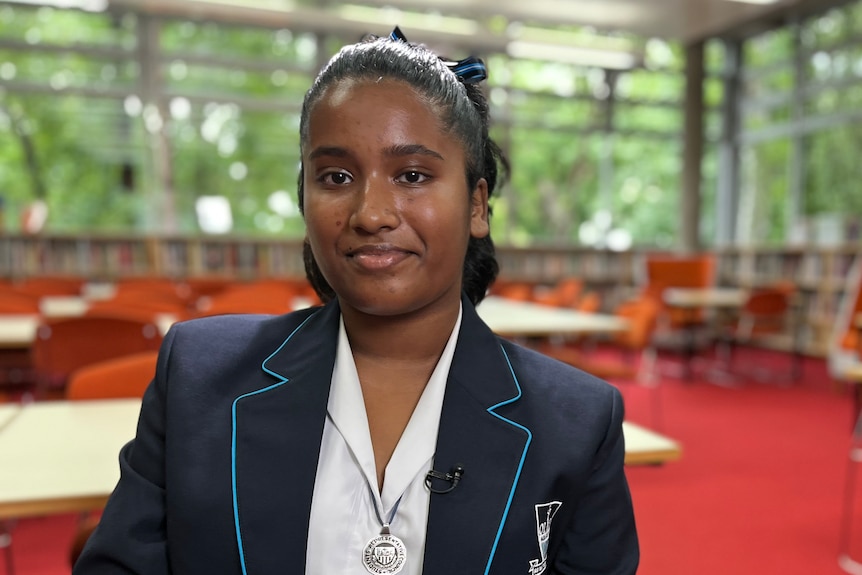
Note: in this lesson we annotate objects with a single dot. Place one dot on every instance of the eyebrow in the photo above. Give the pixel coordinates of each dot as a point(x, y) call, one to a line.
point(398, 150)
point(328, 151)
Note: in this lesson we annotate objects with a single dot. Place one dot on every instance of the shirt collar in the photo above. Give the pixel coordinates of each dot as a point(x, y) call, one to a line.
point(416, 447)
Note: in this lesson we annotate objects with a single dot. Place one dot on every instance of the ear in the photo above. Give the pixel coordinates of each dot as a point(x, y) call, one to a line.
point(479, 225)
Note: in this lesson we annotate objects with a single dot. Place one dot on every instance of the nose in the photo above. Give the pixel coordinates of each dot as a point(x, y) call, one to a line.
point(376, 206)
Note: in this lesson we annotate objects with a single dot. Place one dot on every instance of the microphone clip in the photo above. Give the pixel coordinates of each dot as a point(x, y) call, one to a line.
point(453, 477)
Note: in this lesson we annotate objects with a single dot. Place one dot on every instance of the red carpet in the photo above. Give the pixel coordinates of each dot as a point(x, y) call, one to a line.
point(757, 491)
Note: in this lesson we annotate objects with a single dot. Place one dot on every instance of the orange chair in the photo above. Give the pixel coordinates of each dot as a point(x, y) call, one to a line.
point(16, 373)
point(50, 285)
point(65, 345)
point(13, 302)
point(267, 297)
point(766, 313)
point(663, 272)
point(678, 328)
point(141, 301)
point(125, 376)
point(565, 293)
point(514, 290)
point(590, 302)
point(206, 286)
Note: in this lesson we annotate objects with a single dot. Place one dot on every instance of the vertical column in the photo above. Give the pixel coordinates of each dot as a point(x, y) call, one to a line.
point(797, 162)
point(155, 117)
point(689, 240)
point(727, 198)
point(606, 162)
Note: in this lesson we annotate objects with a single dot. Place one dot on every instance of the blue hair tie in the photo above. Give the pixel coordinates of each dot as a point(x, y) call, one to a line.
point(470, 70)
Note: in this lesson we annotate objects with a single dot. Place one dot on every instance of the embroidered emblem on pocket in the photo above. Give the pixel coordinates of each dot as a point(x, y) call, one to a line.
point(544, 515)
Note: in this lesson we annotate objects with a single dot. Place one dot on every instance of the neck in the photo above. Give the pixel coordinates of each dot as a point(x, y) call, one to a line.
point(409, 338)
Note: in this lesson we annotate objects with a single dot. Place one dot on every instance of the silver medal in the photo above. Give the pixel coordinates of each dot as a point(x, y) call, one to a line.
point(384, 554)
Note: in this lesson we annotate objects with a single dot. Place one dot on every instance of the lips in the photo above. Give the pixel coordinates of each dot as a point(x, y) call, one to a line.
point(378, 256)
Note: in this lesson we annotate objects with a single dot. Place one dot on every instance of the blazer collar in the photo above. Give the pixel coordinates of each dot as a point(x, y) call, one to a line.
point(276, 444)
point(478, 433)
point(276, 439)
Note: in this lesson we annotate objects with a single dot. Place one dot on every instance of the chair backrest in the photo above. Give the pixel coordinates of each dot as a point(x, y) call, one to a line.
point(765, 311)
point(590, 302)
point(642, 314)
point(141, 303)
point(679, 271)
point(268, 297)
point(50, 285)
point(667, 271)
point(767, 302)
point(14, 302)
point(513, 289)
point(126, 376)
point(207, 285)
point(565, 293)
point(64, 345)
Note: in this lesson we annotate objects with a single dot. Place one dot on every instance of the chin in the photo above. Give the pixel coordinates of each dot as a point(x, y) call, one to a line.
point(388, 302)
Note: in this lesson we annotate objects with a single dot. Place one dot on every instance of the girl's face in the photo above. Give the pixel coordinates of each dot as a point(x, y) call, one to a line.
point(387, 209)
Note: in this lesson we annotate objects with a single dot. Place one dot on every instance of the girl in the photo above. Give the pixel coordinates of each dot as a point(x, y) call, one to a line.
point(388, 431)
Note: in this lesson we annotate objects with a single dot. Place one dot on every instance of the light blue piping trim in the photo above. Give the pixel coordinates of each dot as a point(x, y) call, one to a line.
point(233, 438)
point(520, 464)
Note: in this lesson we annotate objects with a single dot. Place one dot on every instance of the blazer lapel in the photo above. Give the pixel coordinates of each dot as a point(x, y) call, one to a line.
point(464, 525)
point(275, 447)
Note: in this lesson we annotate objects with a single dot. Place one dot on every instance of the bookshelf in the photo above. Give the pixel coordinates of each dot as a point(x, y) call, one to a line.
point(818, 272)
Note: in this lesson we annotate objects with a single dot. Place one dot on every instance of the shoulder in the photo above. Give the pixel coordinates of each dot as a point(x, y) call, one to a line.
point(560, 388)
point(228, 342)
point(232, 329)
point(221, 356)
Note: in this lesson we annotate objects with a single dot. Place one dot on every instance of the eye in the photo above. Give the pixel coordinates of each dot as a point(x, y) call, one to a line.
point(412, 177)
point(335, 178)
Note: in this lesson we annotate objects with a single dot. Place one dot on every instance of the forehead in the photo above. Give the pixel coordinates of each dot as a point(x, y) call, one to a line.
point(375, 109)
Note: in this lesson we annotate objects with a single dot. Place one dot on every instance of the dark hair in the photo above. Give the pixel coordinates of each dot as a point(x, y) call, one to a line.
point(464, 111)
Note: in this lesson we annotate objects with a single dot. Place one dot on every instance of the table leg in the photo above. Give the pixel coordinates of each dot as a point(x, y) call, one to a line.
point(6, 546)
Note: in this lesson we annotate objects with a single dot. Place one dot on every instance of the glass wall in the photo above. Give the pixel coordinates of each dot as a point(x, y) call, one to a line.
point(123, 122)
point(800, 132)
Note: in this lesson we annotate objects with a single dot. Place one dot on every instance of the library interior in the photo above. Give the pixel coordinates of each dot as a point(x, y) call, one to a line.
point(680, 219)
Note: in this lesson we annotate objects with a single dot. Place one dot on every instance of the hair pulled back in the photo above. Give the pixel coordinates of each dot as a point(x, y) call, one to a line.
point(463, 111)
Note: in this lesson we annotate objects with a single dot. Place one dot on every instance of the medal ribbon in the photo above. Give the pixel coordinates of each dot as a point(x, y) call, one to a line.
point(385, 524)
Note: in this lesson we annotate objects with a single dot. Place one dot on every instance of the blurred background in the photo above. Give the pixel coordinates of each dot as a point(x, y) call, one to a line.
point(683, 215)
point(181, 116)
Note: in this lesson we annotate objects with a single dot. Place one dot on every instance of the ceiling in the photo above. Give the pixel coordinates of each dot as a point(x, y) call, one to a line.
point(684, 20)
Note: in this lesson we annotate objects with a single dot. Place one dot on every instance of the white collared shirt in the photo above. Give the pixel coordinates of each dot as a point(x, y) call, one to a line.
point(343, 517)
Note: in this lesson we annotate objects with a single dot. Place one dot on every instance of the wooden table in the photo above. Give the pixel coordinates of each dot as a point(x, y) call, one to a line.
point(647, 447)
point(17, 331)
point(690, 301)
point(508, 317)
point(63, 306)
point(62, 456)
point(715, 297)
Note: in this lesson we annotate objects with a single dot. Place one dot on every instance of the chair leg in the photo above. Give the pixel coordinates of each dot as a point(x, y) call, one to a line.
point(648, 376)
point(6, 546)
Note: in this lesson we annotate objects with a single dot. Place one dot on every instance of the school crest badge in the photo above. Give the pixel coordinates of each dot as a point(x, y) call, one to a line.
point(544, 515)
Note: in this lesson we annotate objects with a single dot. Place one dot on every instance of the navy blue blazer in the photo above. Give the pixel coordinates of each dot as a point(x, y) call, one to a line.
point(219, 478)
